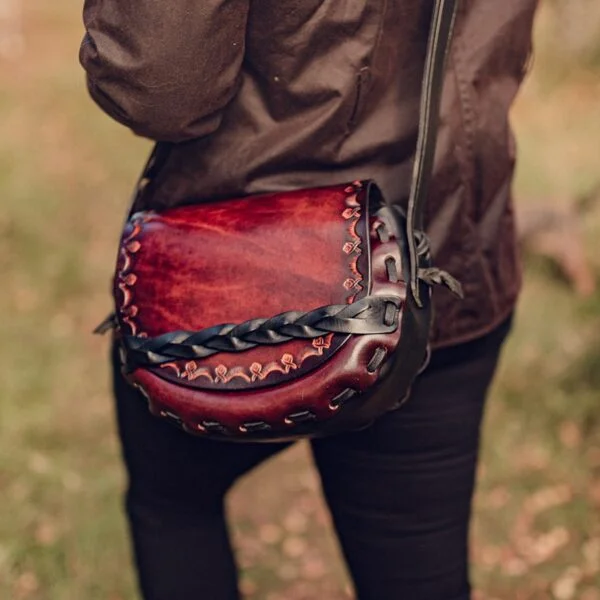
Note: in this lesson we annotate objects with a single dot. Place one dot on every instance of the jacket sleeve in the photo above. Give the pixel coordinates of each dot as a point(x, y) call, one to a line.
point(165, 69)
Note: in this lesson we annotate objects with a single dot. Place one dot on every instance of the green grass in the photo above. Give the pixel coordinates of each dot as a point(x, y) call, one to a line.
point(66, 172)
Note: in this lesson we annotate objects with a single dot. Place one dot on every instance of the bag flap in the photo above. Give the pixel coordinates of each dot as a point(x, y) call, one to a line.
point(198, 266)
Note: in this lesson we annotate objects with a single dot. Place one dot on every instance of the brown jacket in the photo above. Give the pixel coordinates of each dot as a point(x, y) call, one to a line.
point(257, 96)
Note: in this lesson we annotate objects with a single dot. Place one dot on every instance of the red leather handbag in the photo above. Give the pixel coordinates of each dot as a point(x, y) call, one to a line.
point(229, 341)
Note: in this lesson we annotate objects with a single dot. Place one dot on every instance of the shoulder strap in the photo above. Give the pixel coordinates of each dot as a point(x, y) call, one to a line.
point(440, 35)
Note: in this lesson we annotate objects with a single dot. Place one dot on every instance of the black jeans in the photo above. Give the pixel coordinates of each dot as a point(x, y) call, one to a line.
point(399, 492)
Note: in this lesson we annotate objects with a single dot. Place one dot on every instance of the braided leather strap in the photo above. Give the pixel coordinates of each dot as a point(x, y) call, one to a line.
point(370, 316)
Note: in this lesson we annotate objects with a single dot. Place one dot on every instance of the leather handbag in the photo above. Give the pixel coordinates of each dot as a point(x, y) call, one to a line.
point(285, 315)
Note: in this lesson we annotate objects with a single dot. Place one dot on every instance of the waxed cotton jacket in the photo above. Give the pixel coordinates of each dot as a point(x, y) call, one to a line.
point(254, 96)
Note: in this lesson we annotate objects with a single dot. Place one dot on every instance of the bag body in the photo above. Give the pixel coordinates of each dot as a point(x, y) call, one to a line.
point(191, 269)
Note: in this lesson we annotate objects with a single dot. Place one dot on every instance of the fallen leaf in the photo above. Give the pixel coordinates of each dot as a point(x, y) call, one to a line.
point(293, 547)
point(569, 434)
point(270, 533)
point(27, 584)
point(565, 587)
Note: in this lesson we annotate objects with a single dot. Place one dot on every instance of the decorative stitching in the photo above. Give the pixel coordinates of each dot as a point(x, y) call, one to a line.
point(127, 280)
point(258, 371)
point(214, 427)
point(254, 427)
point(392, 269)
point(377, 359)
point(336, 403)
point(352, 214)
point(175, 419)
point(300, 417)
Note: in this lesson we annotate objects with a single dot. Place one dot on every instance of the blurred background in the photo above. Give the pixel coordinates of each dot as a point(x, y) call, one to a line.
point(66, 172)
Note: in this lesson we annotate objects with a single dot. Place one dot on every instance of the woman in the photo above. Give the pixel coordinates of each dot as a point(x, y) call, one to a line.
point(252, 97)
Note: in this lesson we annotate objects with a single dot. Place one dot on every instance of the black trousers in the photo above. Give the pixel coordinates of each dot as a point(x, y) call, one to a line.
point(399, 492)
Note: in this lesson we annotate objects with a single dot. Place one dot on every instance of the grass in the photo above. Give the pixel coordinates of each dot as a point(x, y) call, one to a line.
point(66, 172)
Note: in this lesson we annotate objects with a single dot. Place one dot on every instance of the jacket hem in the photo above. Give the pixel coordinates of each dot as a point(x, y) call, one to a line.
point(476, 332)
